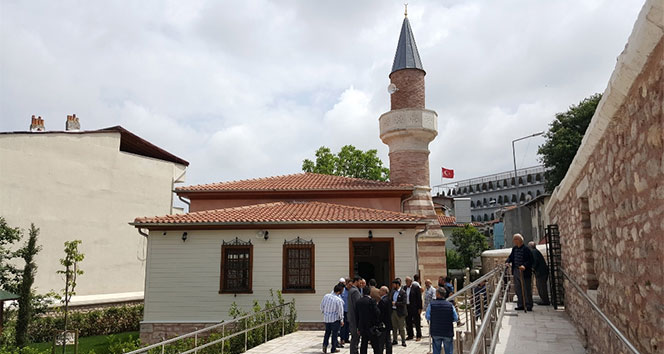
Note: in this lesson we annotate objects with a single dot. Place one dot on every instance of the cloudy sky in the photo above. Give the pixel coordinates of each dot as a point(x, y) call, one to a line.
point(251, 88)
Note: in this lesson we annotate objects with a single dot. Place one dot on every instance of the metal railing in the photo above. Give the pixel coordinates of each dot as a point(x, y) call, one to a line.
point(280, 310)
point(480, 305)
point(601, 314)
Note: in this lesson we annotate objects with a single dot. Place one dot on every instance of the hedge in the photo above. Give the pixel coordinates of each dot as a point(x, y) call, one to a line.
point(92, 323)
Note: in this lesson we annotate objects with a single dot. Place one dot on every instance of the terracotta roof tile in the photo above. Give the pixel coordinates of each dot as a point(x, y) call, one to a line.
point(451, 221)
point(284, 212)
point(297, 182)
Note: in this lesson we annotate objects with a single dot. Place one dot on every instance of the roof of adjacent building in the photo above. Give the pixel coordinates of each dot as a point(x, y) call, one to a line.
point(298, 182)
point(407, 56)
point(283, 213)
point(129, 142)
point(6, 295)
point(451, 221)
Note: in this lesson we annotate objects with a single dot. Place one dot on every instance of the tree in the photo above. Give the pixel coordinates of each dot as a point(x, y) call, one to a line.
point(8, 272)
point(564, 138)
point(469, 243)
point(454, 260)
point(348, 162)
point(71, 273)
point(25, 301)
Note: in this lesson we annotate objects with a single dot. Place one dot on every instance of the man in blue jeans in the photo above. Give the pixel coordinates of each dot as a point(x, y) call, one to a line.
point(441, 315)
point(332, 308)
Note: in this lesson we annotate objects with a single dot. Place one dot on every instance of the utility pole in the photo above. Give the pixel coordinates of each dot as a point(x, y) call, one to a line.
point(516, 180)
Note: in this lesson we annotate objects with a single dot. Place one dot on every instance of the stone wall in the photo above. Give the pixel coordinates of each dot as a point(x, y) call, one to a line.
point(156, 332)
point(610, 207)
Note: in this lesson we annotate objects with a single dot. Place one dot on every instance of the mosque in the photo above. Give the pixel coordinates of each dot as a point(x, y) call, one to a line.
point(299, 233)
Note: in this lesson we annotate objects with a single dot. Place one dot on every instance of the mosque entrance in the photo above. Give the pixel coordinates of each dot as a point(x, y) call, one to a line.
point(372, 258)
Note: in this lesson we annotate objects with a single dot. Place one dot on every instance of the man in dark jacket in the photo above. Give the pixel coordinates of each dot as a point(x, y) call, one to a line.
point(541, 274)
point(441, 315)
point(398, 299)
point(414, 308)
point(385, 308)
point(353, 297)
point(521, 260)
point(367, 320)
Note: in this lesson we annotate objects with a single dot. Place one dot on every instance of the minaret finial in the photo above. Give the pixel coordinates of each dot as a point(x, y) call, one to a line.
point(405, 12)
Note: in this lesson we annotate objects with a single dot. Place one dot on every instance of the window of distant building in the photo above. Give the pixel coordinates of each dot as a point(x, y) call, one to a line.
point(529, 179)
point(236, 267)
point(520, 181)
point(298, 266)
point(500, 200)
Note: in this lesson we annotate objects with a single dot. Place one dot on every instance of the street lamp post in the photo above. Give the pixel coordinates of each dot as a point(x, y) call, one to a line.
point(516, 181)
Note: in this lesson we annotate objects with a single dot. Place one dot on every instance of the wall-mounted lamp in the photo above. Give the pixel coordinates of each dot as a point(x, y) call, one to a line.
point(264, 234)
point(184, 236)
point(400, 232)
point(164, 233)
point(370, 234)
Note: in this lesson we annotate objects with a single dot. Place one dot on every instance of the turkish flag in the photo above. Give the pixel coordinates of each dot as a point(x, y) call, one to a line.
point(448, 173)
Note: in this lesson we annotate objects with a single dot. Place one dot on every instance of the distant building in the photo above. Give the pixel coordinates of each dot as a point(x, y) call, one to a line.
point(490, 193)
point(87, 185)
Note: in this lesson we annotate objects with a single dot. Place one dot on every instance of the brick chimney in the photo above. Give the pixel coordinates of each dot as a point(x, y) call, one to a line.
point(37, 124)
point(72, 123)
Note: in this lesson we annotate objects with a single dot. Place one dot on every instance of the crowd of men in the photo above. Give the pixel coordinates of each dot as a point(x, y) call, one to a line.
point(358, 314)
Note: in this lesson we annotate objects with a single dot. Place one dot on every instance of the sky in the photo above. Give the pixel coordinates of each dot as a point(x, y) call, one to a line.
point(249, 89)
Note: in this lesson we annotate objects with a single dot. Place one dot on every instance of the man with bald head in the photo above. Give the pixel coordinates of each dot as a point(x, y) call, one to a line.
point(385, 307)
point(521, 261)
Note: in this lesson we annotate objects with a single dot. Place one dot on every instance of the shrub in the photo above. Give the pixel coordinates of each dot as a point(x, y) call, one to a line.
point(97, 322)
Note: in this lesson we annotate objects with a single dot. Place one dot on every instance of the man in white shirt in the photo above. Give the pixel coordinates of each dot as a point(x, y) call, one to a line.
point(332, 308)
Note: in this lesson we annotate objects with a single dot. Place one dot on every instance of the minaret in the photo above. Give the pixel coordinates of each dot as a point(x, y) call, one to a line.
point(407, 129)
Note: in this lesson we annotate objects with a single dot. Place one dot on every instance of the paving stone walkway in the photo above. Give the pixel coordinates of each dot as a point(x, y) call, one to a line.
point(543, 331)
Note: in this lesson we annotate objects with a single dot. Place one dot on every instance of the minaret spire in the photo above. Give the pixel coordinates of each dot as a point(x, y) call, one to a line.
point(407, 56)
point(405, 12)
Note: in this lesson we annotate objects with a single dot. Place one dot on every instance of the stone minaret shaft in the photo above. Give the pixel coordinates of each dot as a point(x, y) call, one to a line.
point(407, 129)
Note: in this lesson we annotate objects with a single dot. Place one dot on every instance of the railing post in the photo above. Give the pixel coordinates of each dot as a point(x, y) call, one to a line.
point(223, 334)
point(162, 349)
point(196, 343)
point(265, 341)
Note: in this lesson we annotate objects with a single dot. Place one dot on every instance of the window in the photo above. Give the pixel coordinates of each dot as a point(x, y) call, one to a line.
point(298, 266)
point(236, 267)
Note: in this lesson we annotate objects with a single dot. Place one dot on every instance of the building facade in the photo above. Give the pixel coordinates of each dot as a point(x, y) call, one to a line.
point(490, 193)
point(299, 233)
point(610, 206)
point(86, 185)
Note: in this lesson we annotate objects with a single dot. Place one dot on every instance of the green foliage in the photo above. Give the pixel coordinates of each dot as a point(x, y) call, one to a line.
point(348, 162)
point(8, 272)
point(96, 322)
point(564, 138)
point(71, 272)
point(469, 243)
point(454, 260)
point(24, 350)
point(25, 311)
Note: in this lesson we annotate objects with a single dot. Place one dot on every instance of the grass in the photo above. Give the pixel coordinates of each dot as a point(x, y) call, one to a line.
point(97, 343)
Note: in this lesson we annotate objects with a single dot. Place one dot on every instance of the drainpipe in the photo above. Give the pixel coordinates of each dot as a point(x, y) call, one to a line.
point(186, 201)
point(417, 251)
point(405, 200)
point(142, 232)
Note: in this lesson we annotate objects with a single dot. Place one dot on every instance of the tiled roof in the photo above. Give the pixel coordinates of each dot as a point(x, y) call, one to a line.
point(284, 213)
point(446, 220)
point(296, 182)
point(451, 221)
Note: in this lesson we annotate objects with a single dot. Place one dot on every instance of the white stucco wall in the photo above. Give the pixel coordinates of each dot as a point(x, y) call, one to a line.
point(80, 186)
point(182, 282)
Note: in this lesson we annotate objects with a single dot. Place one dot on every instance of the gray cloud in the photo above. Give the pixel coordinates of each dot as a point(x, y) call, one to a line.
point(249, 89)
